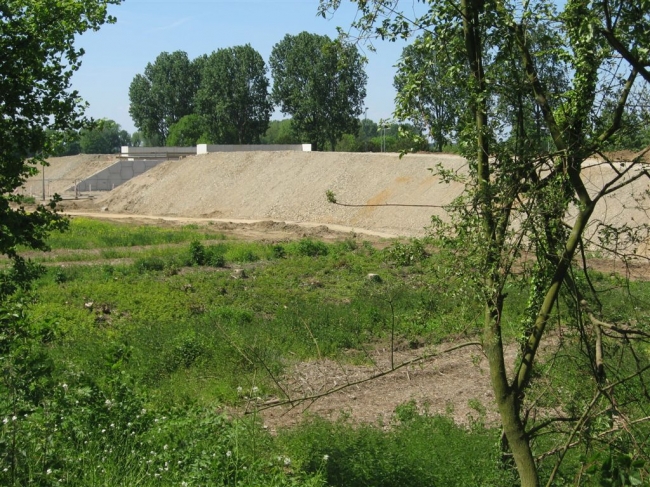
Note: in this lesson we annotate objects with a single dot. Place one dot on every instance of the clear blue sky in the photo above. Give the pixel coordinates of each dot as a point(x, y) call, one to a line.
point(145, 28)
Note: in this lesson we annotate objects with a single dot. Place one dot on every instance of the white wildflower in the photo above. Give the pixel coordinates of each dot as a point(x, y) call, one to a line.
point(326, 457)
point(49, 471)
point(287, 461)
point(228, 453)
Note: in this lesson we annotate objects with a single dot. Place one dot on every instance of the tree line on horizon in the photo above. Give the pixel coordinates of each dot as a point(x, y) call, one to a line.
point(107, 137)
point(319, 85)
point(226, 97)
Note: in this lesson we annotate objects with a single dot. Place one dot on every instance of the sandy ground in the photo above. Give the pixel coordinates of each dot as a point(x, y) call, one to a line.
point(290, 187)
point(63, 172)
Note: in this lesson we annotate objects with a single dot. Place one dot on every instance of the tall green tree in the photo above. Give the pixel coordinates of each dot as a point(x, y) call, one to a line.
point(280, 132)
point(64, 143)
point(188, 131)
point(233, 98)
point(523, 196)
point(428, 92)
point(163, 94)
point(37, 61)
point(321, 84)
point(105, 137)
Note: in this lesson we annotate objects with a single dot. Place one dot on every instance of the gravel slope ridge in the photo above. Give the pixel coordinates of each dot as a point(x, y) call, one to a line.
point(291, 186)
point(64, 171)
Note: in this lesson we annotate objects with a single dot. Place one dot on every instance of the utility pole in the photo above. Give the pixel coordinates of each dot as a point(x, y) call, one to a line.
point(365, 128)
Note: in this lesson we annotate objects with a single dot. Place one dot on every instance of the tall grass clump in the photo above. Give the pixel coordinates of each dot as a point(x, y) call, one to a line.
point(85, 233)
point(418, 451)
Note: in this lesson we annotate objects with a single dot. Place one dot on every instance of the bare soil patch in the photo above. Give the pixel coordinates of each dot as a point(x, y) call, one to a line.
point(449, 383)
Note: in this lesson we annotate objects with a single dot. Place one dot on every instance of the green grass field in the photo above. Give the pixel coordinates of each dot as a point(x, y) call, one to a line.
point(133, 363)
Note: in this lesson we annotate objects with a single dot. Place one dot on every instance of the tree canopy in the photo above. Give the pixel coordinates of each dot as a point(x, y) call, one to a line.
point(233, 99)
point(36, 104)
point(163, 94)
point(105, 137)
point(545, 89)
point(188, 131)
point(321, 84)
point(428, 93)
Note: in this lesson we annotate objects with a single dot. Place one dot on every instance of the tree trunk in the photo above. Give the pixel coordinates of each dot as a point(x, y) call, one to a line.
point(506, 397)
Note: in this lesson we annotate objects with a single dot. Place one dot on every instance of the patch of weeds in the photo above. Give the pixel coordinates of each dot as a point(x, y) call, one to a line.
point(407, 411)
point(420, 451)
point(149, 264)
point(60, 276)
point(248, 252)
point(406, 254)
point(185, 352)
point(197, 253)
point(278, 251)
point(25, 200)
point(368, 248)
point(242, 254)
point(311, 248)
point(200, 255)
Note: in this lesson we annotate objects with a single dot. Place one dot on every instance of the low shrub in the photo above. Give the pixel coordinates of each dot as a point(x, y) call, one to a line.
point(417, 451)
point(406, 254)
point(311, 248)
point(149, 264)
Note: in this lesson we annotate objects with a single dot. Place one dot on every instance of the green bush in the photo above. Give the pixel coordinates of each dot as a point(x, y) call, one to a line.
point(311, 248)
point(187, 350)
point(211, 256)
point(149, 264)
point(406, 254)
point(419, 451)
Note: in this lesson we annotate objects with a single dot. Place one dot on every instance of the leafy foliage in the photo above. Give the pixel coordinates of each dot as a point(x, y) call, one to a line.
point(321, 84)
point(38, 61)
point(164, 94)
point(188, 131)
point(427, 87)
point(105, 137)
point(280, 132)
point(233, 97)
point(543, 91)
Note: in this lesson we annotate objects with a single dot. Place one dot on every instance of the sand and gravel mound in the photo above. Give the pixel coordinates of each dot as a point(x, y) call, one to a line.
point(291, 186)
point(64, 171)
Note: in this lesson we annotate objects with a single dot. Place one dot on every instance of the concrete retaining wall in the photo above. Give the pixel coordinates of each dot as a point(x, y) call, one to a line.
point(166, 153)
point(117, 174)
point(137, 160)
point(207, 148)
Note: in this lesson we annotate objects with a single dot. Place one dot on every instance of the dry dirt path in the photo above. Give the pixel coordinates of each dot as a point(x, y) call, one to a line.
point(262, 229)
